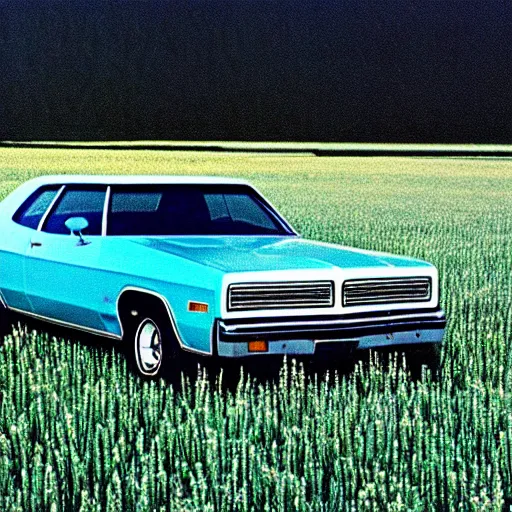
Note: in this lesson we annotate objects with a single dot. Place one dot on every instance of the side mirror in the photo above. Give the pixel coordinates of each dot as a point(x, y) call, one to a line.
point(77, 225)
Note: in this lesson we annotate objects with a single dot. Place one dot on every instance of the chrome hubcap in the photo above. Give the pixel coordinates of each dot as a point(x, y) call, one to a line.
point(149, 347)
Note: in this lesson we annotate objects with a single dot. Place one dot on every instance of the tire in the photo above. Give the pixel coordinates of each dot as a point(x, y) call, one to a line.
point(152, 347)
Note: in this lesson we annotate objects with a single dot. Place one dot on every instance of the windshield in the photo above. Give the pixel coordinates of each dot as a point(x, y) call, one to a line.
point(191, 210)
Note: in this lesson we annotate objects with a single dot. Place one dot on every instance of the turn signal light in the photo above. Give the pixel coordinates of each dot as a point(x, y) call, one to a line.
point(198, 307)
point(258, 346)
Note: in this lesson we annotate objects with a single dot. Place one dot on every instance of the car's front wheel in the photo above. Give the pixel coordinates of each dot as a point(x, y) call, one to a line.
point(148, 348)
point(152, 347)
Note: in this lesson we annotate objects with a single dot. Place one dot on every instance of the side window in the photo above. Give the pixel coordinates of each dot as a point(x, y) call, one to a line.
point(134, 212)
point(78, 202)
point(239, 208)
point(123, 202)
point(32, 210)
point(217, 206)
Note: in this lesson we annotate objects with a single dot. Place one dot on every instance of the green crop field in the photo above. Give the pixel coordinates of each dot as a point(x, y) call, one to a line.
point(78, 431)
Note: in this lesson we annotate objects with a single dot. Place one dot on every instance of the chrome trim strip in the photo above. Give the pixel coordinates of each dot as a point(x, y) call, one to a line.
point(393, 293)
point(68, 324)
point(435, 315)
point(105, 213)
point(396, 289)
point(386, 286)
point(283, 286)
point(367, 292)
point(49, 209)
point(169, 312)
point(422, 290)
point(378, 281)
point(280, 294)
point(342, 340)
point(388, 299)
point(2, 300)
point(261, 302)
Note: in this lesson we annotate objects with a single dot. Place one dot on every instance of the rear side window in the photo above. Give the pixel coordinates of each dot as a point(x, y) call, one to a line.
point(135, 201)
point(32, 210)
point(78, 202)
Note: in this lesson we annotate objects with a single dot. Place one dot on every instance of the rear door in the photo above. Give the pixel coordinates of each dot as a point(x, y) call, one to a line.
point(61, 274)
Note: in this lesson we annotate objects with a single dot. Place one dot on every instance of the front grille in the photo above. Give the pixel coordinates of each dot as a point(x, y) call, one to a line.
point(251, 296)
point(365, 292)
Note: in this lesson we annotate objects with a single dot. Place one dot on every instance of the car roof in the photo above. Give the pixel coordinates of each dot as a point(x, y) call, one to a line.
point(12, 202)
point(134, 180)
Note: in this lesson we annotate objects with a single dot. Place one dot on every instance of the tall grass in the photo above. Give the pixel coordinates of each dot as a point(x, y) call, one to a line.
point(79, 432)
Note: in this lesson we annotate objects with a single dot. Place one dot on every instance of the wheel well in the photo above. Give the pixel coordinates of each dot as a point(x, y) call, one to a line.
point(132, 303)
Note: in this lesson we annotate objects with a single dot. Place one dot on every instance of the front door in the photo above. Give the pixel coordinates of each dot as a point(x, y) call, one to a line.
point(61, 272)
point(14, 241)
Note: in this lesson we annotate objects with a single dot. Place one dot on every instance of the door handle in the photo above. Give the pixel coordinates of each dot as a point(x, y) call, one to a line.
point(35, 244)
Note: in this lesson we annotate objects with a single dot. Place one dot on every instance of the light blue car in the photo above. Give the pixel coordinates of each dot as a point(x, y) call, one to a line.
point(202, 265)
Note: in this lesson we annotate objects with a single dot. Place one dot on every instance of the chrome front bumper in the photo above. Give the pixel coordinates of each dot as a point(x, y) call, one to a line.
point(302, 335)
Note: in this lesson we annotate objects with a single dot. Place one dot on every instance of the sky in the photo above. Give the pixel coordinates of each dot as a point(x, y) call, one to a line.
point(326, 70)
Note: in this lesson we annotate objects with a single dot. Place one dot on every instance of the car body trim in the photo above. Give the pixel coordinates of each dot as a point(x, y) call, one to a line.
point(105, 212)
point(269, 295)
point(322, 348)
point(2, 301)
point(436, 315)
point(339, 333)
point(67, 324)
point(335, 273)
point(50, 207)
point(132, 179)
point(169, 312)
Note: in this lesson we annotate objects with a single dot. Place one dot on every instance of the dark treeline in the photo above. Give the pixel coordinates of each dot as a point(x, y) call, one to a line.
point(326, 70)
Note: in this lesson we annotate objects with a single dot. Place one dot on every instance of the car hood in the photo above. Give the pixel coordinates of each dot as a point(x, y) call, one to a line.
point(263, 253)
